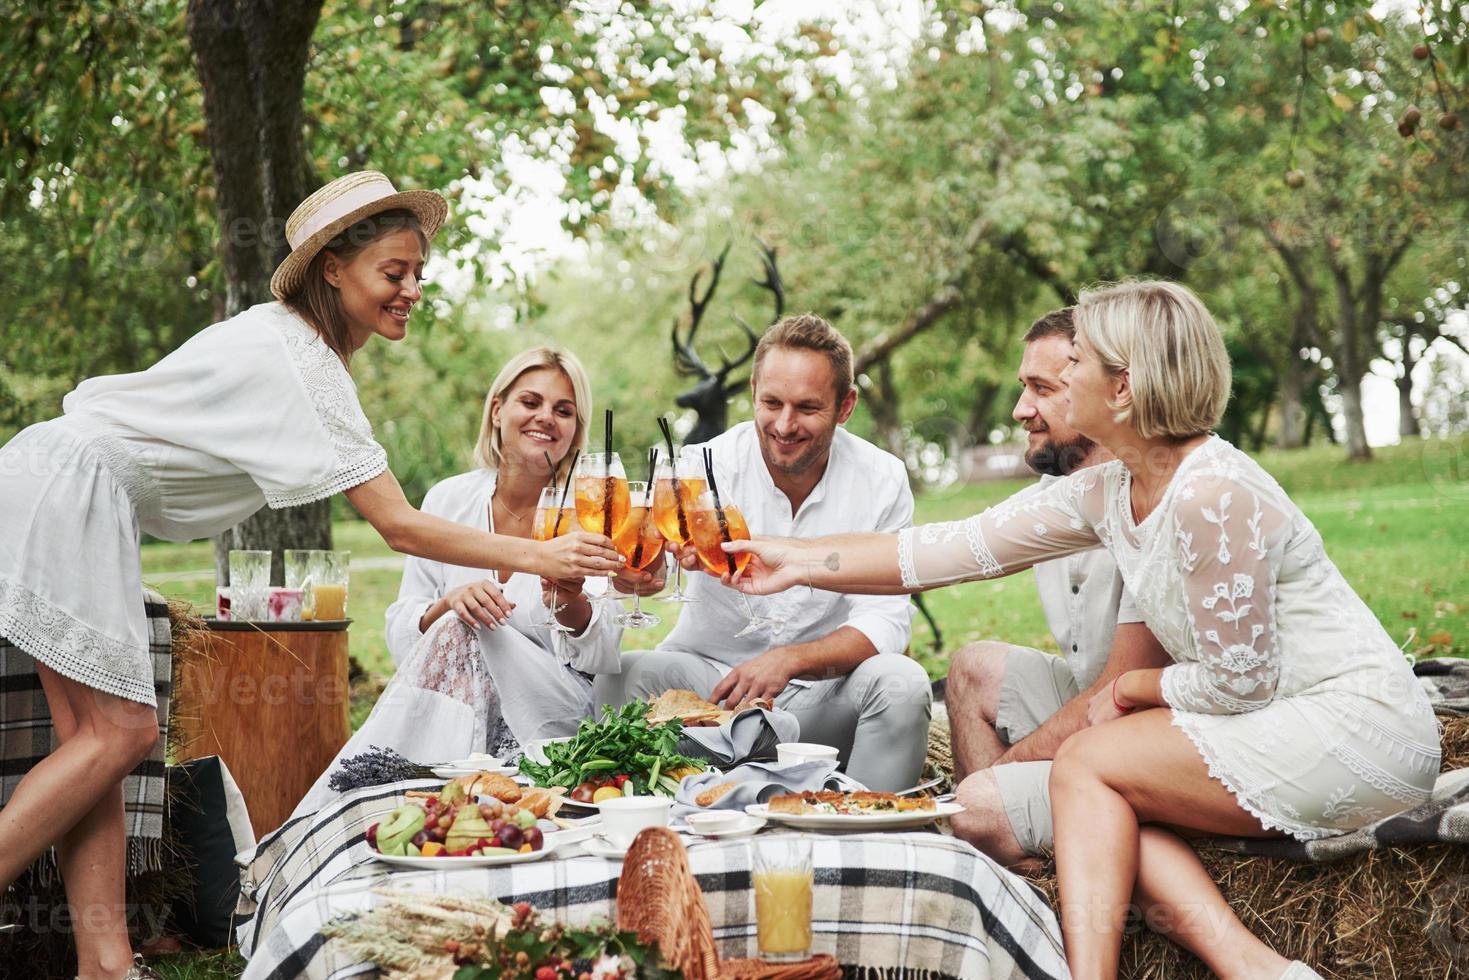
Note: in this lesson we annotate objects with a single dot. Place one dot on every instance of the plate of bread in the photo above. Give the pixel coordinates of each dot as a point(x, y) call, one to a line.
point(854, 812)
point(693, 711)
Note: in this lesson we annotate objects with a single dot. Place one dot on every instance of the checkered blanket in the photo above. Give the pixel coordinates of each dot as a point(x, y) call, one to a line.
point(917, 905)
point(26, 737)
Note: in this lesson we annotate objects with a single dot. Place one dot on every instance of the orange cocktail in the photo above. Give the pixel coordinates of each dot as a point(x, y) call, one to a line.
point(710, 527)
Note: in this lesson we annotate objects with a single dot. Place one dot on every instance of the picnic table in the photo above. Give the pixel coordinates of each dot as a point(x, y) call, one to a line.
point(914, 904)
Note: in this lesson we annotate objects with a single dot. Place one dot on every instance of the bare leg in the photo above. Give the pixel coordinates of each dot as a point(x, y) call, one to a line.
point(973, 698)
point(73, 799)
point(1106, 781)
point(1180, 901)
point(984, 823)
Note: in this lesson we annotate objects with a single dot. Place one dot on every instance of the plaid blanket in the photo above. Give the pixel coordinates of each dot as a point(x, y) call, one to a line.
point(919, 905)
point(1446, 679)
point(26, 737)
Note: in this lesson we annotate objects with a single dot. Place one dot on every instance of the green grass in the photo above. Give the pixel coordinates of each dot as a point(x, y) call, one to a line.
point(1396, 527)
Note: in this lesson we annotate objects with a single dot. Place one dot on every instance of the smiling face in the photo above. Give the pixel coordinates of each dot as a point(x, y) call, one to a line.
point(536, 415)
point(796, 409)
point(379, 285)
point(1095, 393)
point(1053, 447)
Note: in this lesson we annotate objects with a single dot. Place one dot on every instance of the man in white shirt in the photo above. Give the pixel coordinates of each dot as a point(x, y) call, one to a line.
point(1011, 707)
point(839, 662)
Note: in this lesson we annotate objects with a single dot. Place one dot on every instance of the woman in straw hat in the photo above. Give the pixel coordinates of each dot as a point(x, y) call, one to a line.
point(1288, 709)
point(255, 410)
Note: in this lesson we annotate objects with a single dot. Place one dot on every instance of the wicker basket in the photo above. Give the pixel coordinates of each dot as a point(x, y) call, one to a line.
point(659, 899)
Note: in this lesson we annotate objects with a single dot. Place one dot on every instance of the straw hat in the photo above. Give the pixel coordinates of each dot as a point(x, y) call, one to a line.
point(339, 205)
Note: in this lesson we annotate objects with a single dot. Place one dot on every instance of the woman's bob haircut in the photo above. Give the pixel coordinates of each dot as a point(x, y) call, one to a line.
point(488, 451)
point(1164, 337)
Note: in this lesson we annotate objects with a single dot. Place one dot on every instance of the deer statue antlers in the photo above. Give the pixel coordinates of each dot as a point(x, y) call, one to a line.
point(708, 397)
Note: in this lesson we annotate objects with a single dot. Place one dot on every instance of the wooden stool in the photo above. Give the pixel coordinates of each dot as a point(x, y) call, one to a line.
point(271, 700)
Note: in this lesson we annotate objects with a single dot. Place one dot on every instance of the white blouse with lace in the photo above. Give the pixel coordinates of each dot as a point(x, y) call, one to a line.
point(1292, 691)
point(251, 411)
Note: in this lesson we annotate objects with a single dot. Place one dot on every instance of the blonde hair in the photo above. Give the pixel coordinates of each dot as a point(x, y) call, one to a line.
point(1164, 337)
point(487, 450)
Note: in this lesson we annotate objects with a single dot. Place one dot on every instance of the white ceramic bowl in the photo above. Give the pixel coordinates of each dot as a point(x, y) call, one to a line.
point(787, 752)
point(624, 817)
point(715, 821)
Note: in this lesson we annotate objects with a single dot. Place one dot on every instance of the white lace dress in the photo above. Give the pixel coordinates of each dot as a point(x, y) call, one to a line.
point(1291, 690)
point(252, 411)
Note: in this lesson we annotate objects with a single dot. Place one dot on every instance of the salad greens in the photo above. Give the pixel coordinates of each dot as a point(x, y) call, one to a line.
point(621, 743)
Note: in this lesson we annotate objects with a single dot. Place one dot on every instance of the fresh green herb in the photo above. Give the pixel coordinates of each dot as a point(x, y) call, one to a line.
point(622, 742)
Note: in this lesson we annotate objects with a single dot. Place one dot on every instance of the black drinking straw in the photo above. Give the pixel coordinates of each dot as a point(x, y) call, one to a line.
point(550, 466)
point(637, 552)
point(607, 491)
point(683, 521)
point(718, 507)
point(561, 505)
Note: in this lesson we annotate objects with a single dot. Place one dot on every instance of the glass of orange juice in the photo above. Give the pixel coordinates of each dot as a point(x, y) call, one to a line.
point(324, 594)
point(782, 878)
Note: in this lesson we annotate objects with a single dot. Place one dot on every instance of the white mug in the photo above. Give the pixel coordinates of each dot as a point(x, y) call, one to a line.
point(787, 752)
point(623, 818)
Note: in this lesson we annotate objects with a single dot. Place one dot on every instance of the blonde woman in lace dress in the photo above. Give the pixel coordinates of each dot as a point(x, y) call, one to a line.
point(257, 410)
point(1288, 709)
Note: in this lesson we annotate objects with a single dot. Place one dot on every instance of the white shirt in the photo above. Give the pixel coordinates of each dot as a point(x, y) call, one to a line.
point(1084, 601)
point(465, 499)
point(253, 410)
point(863, 489)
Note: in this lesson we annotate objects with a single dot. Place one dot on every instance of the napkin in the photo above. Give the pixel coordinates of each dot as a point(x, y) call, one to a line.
point(752, 734)
point(757, 782)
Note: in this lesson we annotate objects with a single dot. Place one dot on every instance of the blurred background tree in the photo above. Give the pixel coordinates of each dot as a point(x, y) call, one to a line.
point(931, 175)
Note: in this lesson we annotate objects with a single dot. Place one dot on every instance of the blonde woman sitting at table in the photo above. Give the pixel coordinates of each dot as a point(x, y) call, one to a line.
point(1287, 710)
point(476, 669)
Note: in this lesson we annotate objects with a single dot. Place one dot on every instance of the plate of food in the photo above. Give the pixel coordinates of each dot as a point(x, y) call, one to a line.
point(854, 812)
point(476, 762)
point(621, 754)
point(692, 711)
point(487, 818)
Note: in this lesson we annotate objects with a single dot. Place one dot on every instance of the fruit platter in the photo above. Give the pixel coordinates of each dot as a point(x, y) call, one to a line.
point(483, 818)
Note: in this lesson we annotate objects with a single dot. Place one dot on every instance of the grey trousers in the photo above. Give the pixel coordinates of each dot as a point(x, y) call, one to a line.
point(876, 716)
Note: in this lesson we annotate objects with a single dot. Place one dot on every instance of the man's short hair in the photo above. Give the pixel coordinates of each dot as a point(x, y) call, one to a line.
point(1057, 323)
point(807, 331)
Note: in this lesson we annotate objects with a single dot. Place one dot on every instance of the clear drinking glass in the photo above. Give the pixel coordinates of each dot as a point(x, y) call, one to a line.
point(783, 876)
point(249, 584)
point(639, 542)
point(677, 484)
point(709, 527)
point(551, 521)
point(329, 584)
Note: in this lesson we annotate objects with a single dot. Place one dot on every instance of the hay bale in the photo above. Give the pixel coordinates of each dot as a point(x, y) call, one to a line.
point(1398, 913)
point(939, 760)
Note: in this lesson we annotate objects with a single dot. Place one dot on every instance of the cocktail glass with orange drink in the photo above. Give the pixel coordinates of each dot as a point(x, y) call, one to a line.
point(712, 523)
point(640, 543)
point(552, 520)
point(677, 484)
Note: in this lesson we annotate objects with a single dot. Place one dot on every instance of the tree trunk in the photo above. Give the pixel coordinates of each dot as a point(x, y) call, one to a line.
point(982, 413)
point(882, 405)
point(1407, 419)
point(1291, 433)
point(1353, 421)
point(251, 57)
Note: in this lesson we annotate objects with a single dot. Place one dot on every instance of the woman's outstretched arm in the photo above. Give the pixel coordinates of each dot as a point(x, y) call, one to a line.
point(408, 530)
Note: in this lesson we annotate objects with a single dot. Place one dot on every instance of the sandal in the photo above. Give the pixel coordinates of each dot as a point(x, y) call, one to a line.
point(140, 970)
